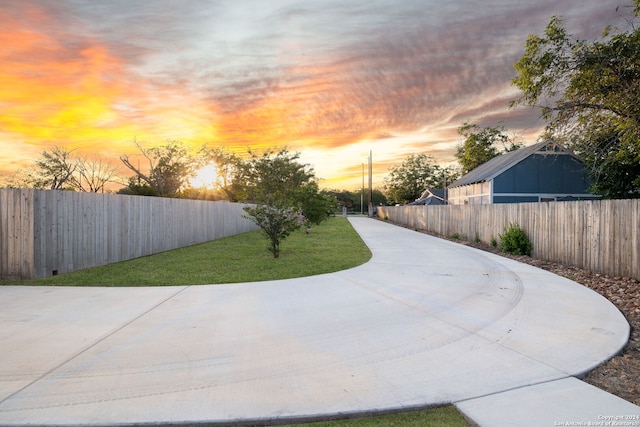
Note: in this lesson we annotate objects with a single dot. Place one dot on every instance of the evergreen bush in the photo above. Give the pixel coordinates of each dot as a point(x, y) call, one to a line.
point(514, 241)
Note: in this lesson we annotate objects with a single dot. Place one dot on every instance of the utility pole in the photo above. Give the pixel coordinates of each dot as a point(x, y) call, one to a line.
point(370, 184)
point(362, 193)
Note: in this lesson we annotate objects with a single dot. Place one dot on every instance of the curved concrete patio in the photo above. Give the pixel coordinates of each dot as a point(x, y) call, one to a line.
point(425, 322)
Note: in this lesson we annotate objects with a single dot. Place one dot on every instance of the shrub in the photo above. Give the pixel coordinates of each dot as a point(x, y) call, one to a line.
point(455, 236)
point(494, 242)
point(276, 223)
point(514, 241)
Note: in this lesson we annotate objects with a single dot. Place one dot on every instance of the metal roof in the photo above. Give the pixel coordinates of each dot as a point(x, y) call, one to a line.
point(431, 196)
point(494, 167)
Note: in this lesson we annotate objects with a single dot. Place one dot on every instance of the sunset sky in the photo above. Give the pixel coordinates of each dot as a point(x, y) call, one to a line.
point(330, 79)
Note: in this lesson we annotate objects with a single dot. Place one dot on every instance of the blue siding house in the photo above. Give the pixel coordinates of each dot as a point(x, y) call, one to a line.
point(541, 172)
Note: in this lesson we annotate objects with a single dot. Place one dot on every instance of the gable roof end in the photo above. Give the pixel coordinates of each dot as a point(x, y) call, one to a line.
point(494, 167)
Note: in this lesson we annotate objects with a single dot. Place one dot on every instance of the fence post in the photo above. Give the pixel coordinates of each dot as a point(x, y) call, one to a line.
point(598, 235)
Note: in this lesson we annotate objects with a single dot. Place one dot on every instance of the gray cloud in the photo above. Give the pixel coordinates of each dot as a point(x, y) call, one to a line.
point(360, 66)
point(330, 72)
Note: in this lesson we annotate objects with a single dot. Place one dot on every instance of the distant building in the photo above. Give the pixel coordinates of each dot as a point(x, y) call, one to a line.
point(541, 172)
point(431, 196)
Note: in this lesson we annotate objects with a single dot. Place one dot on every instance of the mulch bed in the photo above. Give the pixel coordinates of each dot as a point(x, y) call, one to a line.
point(621, 374)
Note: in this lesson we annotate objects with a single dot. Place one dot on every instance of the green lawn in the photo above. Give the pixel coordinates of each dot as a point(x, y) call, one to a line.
point(332, 246)
point(447, 416)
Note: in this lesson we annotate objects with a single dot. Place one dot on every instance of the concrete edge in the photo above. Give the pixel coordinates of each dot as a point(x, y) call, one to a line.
point(562, 402)
point(473, 423)
point(264, 422)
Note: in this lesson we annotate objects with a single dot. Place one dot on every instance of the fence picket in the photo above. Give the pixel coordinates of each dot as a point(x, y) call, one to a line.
point(599, 235)
point(42, 232)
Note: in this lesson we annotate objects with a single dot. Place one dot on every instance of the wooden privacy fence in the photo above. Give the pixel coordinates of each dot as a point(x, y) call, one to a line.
point(602, 236)
point(49, 232)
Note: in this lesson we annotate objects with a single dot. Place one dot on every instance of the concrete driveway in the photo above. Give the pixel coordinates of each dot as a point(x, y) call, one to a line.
point(425, 322)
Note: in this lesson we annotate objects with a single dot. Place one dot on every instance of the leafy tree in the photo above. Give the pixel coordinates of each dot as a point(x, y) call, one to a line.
point(352, 199)
point(229, 168)
point(273, 177)
point(588, 95)
point(378, 198)
point(315, 205)
point(275, 222)
point(407, 181)
point(614, 168)
point(283, 189)
point(19, 179)
point(136, 187)
point(481, 145)
point(169, 168)
point(345, 198)
point(53, 170)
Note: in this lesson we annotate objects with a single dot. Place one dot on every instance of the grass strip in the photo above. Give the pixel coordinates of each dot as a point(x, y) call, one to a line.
point(332, 246)
point(446, 416)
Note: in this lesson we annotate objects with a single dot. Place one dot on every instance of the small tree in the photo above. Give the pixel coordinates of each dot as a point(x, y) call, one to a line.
point(315, 205)
point(276, 181)
point(275, 222)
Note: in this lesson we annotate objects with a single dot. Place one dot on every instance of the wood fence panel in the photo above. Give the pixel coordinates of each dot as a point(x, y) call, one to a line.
point(50, 232)
point(4, 241)
point(598, 235)
point(24, 240)
point(579, 227)
point(635, 234)
point(16, 234)
point(606, 238)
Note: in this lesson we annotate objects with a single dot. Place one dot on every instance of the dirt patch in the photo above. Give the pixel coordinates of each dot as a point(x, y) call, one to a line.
point(621, 374)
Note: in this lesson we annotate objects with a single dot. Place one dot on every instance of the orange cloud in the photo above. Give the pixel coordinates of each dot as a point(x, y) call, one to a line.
point(48, 89)
point(308, 105)
point(73, 91)
point(394, 77)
